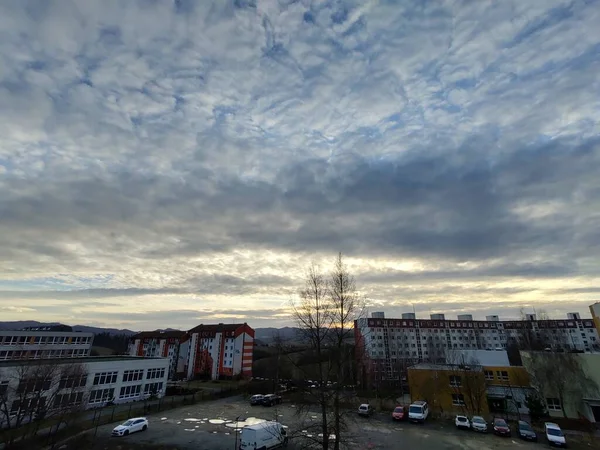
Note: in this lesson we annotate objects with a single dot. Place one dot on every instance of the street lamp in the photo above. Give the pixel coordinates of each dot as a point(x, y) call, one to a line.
point(235, 431)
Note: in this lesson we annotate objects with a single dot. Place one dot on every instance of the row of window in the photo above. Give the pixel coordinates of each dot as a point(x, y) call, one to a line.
point(130, 391)
point(44, 340)
point(155, 373)
point(133, 375)
point(37, 354)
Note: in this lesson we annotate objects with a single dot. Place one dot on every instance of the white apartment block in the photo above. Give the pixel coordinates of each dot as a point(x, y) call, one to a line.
point(90, 382)
point(167, 344)
point(387, 343)
point(44, 343)
point(223, 350)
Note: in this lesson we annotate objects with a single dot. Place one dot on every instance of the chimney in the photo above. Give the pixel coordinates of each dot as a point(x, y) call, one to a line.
point(409, 316)
point(493, 318)
point(378, 315)
point(574, 316)
point(437, 317)
point(465, 317)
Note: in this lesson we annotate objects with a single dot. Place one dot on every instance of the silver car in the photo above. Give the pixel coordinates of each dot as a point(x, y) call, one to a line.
point(478, 423)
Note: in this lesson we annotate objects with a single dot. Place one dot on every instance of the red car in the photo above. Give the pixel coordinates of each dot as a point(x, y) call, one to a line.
point(399, 413)
point(501, 428)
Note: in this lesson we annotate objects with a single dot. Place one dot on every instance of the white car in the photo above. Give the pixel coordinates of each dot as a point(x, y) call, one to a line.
point(131, 426)
point(554, 435)
point(478, 423)
point(418, 411)
point(365, 410)
point(462, 422)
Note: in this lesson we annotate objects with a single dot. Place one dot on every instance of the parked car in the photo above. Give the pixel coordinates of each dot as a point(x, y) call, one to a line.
point(501, 428)
point(271, 399)
point(418, 411)
point(365, 410)
point(399, 413)
point(554, 435)
point(256, 399)
point(131, 426)
point(525, 431)
point(478, 423)
point(462, 422)
point(264, 435)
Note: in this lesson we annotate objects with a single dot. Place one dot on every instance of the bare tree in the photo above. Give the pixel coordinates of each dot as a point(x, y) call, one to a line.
point(315, 319)
point(468, 382)
point(346, 307)
point(559, 375)
point(325, 315)
point(38, 390)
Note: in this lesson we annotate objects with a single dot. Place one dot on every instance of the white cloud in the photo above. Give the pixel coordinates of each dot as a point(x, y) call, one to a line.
point(142, 147)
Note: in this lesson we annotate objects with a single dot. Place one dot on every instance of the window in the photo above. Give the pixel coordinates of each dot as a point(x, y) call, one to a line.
point(155, 373)
point(489, 375)
point(130, 391)
point(33, 385)
point(72, 381)
point(133, 375)
point(3, 388)
point(458, 399)
point(102, 395)
point(153, 388)
point(455, 381)
point(66, 400)
point(27, 404)
point(553, 404)
point(105, 378)
point(502, 375)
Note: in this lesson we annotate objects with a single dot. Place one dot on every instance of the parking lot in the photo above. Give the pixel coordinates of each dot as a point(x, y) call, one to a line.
point(213, 426)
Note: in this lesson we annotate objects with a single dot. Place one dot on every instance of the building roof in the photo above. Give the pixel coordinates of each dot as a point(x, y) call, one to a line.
point(448, 367)
point(159, 334)
point(82, 360)
point(493, 358)
point(217, 327)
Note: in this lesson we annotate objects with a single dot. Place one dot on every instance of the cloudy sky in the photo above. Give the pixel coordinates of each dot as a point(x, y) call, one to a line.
point(166, 163)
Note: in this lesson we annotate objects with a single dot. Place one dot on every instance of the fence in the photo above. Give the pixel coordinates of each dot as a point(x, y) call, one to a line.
point(57, 432)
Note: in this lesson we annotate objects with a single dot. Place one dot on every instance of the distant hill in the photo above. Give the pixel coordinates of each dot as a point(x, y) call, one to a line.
point(20, 324)
point(266, 335)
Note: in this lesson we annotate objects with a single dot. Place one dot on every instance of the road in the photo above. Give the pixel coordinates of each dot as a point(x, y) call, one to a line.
point(211, 426)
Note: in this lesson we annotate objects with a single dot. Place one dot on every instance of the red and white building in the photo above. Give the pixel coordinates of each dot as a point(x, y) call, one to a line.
point(206, 351)
point(223, 350)
point(166, 344)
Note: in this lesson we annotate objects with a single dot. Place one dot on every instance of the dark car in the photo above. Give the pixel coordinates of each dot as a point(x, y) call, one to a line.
point(271, 399)
point(256, 399)
point(501, 428)
point(526, 432)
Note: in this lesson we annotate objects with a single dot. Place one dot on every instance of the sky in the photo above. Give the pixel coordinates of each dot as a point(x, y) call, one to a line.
point(170, 163)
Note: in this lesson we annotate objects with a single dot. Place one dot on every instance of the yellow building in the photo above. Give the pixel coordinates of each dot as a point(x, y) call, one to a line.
point(449, 388)
point(470, 389)
point(595, 310)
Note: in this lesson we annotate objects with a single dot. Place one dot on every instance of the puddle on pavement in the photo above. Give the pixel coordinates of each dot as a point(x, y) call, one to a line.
point(163, 418)
point(217, 421)
point(188, 429)
point(192, 420)
point(242, 423)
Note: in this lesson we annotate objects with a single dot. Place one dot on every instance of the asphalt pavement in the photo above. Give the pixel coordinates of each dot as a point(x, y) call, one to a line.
point(213, 426)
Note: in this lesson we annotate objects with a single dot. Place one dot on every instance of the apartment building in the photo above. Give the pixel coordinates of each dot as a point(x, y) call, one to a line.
point(58, 341)
point(34, 385)
point(222, 350)
point(386, 346)
point(207, 351)
point(167, 344)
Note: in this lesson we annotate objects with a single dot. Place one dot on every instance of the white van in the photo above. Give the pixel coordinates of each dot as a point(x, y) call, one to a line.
point(418, 411)
point(263, 436)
